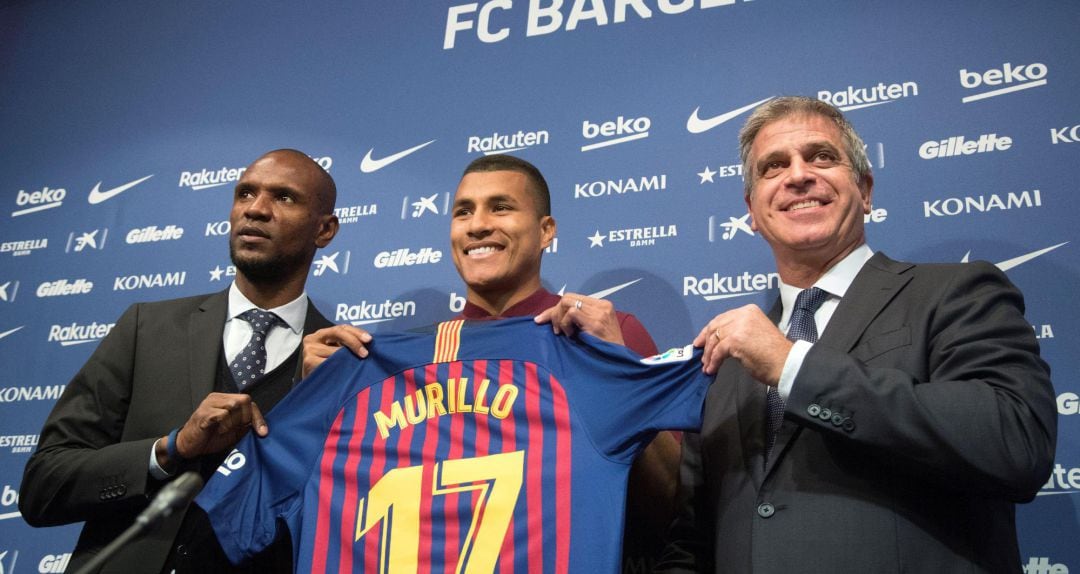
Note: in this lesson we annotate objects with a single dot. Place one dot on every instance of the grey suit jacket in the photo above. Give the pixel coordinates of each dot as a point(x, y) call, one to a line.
point(919, 418)
point(144, 379)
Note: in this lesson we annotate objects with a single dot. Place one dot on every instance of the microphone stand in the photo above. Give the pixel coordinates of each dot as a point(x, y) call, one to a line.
point(174, 496)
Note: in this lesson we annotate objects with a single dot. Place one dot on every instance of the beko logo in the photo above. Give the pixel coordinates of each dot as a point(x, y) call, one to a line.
point(634, 236)
point(620, 131)
point(365, 313)
point(957, 145)
point(39, 200)
point(981, 203)
point(131, 282)
point(76, 334)
point(405, 258)
point(1068, 404)
point(1014, 78)
point(853, 98)
point(353, 213)
point(503, 143)
point(153, 234)
point(624, 186)
point(62, 287)
point(206, 179)
point(726, 287)
point(24, 247)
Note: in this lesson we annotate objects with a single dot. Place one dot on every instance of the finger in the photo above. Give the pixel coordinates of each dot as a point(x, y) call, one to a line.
point(258, 421)
point(545, 315)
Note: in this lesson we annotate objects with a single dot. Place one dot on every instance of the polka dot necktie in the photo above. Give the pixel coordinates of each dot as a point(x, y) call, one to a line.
point(250, 363)
point(802, 328)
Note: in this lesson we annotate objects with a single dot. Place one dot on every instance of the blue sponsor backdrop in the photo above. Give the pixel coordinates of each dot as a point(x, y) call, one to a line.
point(621, 104)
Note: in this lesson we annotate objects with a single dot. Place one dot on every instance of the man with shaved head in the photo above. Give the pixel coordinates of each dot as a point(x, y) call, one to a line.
point(176, 383)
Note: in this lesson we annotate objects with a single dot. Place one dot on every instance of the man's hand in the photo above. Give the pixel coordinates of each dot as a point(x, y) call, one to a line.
point(580, 313)
point(749, 337)
point(218, 424)
point(322, 343)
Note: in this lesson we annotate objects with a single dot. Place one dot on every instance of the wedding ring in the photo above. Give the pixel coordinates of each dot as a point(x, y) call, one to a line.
point(577, 304)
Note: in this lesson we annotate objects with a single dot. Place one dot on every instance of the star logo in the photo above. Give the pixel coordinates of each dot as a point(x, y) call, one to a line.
point(596, 240)
point(707, 175)
point(215, 273)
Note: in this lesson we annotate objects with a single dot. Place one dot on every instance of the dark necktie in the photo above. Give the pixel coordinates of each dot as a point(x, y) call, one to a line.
point(250, 363)
point(802, 328)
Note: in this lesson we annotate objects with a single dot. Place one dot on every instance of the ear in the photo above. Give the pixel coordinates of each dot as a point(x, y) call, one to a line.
point(328, 228)
point(867, 190)
point(548, 227)
point(753, 224)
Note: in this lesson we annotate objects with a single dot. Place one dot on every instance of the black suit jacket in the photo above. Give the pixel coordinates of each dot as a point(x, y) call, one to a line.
point(144, 379)
point(919, 418)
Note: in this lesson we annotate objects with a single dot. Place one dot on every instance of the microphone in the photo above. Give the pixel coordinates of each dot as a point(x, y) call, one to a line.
point(174, 496)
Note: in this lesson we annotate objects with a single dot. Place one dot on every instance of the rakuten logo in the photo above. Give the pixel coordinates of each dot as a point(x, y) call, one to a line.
point(854, 98)
point(40, 200)
point(616, 132)
point(365, 313)
point(152, 234)
point(725, 287)
point(62, 287)
point(76, 334)
point(205, 179)
point(503, 143)
point(957, 145)
point(1021, 77)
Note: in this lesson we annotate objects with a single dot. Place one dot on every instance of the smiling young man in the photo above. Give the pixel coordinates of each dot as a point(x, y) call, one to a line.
point(167, 391)
point(897, 441)
point(501, 223)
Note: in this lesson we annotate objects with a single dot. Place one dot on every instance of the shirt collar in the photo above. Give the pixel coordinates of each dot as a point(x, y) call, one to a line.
point(293, 313)
point(835, 281)
point(540, 300)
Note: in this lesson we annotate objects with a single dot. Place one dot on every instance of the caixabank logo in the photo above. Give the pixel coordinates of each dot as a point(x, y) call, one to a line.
point(86, 241)
point(336, 263)
point(8, 291)
point(8, 557)
point(1007, 79)
point(426, 205)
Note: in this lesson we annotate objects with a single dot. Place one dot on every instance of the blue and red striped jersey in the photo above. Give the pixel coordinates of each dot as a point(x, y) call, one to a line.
point(479, 447)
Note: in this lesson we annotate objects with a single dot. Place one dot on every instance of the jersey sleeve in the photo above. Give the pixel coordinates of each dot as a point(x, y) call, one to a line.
point(262, 479)
point(624, 399)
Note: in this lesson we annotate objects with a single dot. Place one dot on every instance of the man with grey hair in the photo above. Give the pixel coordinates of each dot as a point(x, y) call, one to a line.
point(884, 416)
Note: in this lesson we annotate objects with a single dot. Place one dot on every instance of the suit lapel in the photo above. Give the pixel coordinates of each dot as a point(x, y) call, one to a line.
point(313, 322)
point(876, 284)
point(204, 341)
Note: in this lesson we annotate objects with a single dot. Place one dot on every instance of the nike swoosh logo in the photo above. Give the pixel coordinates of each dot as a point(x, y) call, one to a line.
point(5, 334)
point(605, 292)
point(1017, 261)
point(369, 165)
point(696, 125)
point(97, 196)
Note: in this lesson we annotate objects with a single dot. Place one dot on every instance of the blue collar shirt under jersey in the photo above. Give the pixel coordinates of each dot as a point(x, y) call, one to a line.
point(484, 447)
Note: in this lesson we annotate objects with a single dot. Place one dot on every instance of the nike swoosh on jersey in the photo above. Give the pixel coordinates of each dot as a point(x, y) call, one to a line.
point(369, 165)
point(97, 196)
point(696, 125)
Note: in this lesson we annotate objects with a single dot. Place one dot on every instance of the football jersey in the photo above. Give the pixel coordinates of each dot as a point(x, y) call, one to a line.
point(479, 447)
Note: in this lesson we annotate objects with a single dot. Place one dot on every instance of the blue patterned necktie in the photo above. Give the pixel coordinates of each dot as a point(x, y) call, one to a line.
point(250, 363)
point(802, 328)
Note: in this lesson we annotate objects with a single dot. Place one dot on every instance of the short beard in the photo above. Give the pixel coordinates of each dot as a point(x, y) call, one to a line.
point(268, 270)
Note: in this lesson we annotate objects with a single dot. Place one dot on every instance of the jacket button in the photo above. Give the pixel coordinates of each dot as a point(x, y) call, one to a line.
point(825, 414)
point(849, 425)
point(121, 490)
point(813, 410)
point(765, 510)
point(837, 420)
